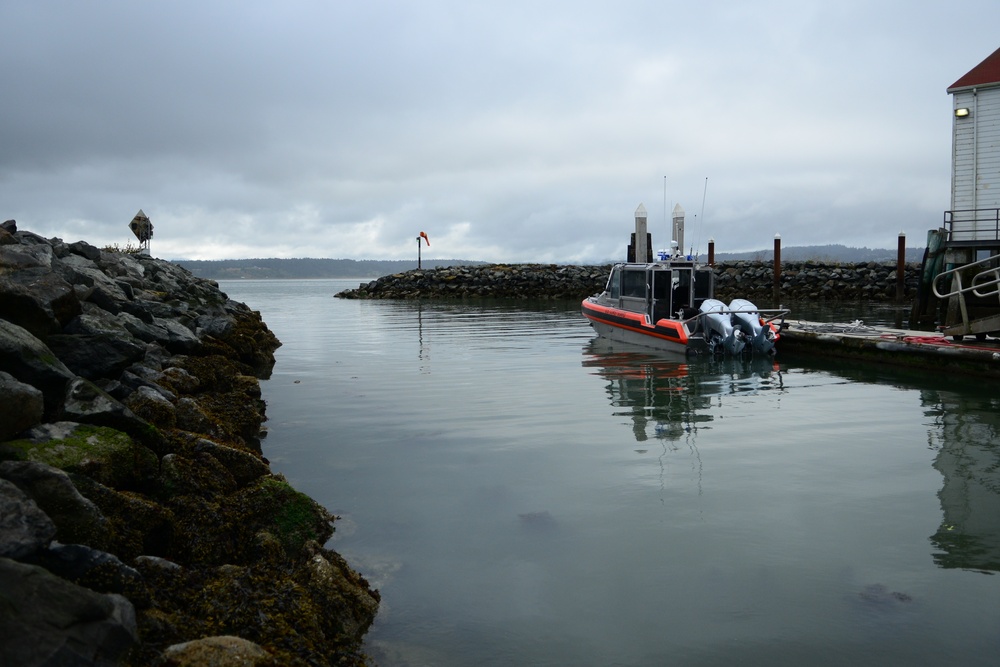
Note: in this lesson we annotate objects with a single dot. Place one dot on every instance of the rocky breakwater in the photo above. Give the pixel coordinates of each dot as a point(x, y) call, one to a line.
point(754, 280)
point(814, 281)
point(521, 281)
point(139, 522)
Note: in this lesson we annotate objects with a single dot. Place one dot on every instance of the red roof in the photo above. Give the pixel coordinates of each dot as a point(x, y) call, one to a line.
point(984, 74)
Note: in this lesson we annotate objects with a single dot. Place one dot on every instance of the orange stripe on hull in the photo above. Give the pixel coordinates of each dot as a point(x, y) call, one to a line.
point(636, 322)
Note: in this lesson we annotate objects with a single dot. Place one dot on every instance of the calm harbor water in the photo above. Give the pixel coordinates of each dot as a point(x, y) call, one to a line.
point(523, 494)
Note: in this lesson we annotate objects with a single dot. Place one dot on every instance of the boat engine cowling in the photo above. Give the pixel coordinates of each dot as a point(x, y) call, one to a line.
point(746, 317)
point(719, 329)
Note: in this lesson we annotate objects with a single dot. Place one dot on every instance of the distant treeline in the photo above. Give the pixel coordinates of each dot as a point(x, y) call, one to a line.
point(222, 269)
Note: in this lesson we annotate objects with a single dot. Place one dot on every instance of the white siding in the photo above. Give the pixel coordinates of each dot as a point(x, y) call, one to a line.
point(976, 163)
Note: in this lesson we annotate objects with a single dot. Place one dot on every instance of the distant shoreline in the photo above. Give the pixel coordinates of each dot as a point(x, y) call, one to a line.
point(227, 269)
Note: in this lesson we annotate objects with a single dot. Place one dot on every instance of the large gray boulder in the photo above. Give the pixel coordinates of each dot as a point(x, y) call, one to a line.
point(94, 321)
point(47, 621)
point(31, 294)
point(21, 406)
point(93, 568)
point(84, 249)
point(29, 360)
point(24, 528)
point(96, 356)
point(39, 301)
point(24, 256)
point(77, 519)
point(176, 337)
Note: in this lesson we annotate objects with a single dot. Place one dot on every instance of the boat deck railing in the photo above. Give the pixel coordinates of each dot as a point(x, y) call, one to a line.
point(771, 314)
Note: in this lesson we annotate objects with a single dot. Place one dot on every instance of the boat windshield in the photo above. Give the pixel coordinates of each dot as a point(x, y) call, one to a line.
point(615, 283)
point(634, 283)
point(704, 286)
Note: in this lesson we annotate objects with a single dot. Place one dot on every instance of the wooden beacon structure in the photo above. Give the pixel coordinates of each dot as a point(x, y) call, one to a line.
point(960, 282)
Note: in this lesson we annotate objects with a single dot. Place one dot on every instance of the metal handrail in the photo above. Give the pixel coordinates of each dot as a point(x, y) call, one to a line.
point(957, 271)
point(976, 286)
point(995, 282)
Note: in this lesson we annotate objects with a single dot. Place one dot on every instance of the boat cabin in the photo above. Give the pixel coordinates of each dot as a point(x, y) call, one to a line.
point(674, 289)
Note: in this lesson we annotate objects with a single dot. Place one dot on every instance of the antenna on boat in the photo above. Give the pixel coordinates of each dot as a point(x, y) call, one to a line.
point(663, 254)
point(703, 195)
point(664, 201)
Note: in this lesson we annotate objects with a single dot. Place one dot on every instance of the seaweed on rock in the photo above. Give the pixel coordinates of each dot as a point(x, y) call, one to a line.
point(153, 481)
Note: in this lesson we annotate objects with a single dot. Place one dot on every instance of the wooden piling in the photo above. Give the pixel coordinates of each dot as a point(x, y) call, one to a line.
point(900, 267)
point(776, 297)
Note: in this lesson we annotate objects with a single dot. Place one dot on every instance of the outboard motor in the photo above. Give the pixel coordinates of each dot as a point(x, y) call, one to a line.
point(746, 317)
point(719, 328)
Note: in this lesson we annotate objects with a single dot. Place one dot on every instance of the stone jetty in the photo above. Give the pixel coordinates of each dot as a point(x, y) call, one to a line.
point(517, 281)
point(140, 523)
point(754, 280)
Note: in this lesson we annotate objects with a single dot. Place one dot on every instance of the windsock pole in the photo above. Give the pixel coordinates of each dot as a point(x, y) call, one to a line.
point(424, 237)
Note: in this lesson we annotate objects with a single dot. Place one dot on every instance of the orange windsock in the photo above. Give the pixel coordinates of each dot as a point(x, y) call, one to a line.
point(424, 237)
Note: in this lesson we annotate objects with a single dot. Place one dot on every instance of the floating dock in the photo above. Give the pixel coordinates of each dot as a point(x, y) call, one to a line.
point(917, 349)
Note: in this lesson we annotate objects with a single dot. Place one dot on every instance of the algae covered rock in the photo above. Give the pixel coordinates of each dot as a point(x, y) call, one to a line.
point(135, 503)
point(152, 406)
point(104, 454)
point(293, 517)
point(87, 403)
point(343, 592)
point(224, 651)
point(302, 618)
point(244, 466)
point(137, 524)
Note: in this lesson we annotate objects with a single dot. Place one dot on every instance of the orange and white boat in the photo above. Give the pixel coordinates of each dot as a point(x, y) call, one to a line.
point(669, 305)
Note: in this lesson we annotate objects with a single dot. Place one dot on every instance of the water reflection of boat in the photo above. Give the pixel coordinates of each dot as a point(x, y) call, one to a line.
point(668, 395)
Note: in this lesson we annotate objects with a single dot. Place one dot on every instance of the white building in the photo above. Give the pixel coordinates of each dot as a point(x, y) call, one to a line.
point(975, 164)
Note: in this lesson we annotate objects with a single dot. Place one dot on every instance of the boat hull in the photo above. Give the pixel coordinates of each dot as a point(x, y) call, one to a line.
point(636, 329)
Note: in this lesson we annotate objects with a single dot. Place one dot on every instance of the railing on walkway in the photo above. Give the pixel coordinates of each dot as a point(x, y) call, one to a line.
point(974, 225)
point(985, 283)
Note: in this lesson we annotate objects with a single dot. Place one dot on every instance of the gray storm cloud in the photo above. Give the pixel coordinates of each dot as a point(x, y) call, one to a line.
point(507, 131)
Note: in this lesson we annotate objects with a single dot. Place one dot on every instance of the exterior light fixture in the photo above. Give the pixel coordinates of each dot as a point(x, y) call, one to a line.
point(961, 113)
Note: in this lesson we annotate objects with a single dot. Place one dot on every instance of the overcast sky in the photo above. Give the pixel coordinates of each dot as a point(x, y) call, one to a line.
point(507, 131)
